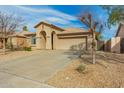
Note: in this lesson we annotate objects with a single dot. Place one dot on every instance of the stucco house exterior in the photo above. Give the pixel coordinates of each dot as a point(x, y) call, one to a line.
point(116, 44)
point(120, 34)
point(21, 39)
point(49, 36)
point(112, 45)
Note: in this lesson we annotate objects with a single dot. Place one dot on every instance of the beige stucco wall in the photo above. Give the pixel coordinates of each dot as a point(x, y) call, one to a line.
point(66, 43)
point(28, 41)
point(54, 42)
point(21, 42)
point(115, 44)
point(17, 42)
point(39, 37)
point(71, 43)
point(14, 41)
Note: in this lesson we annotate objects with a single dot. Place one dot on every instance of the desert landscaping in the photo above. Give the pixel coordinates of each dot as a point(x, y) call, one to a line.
point(108, 72)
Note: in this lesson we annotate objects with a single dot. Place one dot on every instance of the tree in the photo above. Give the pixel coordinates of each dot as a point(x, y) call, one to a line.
point(95, 28)
point(25, 28)
point(9, 23)
point(115, 14)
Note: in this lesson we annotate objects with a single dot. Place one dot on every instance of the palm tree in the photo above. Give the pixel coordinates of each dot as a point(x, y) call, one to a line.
point(25, 28)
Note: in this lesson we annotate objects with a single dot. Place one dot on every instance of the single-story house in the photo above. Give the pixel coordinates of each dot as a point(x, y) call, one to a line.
point(22, 39)
point(49, 36)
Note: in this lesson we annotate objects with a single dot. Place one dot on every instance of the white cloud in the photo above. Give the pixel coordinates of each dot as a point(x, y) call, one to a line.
point(32, 15)
point(57, 20)
point(48, 11)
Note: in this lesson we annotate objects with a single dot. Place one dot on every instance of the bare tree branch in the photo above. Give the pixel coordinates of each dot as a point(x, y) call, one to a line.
point(92, 26)
point(9, 23)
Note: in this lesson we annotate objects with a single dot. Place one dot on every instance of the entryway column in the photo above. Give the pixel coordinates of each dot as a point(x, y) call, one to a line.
point(48, 42)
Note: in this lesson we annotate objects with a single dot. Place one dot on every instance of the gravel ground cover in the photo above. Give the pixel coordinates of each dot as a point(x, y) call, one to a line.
point(108, 72)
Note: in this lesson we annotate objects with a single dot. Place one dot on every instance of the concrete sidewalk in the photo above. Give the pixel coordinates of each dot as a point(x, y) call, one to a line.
point(32, 71)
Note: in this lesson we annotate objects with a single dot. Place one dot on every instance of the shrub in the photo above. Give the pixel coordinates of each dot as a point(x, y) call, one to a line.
point(80, 68)
point(9, 45)
point(27, 49)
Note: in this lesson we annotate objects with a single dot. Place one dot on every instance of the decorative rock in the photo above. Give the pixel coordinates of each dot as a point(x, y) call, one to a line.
point(67, 78)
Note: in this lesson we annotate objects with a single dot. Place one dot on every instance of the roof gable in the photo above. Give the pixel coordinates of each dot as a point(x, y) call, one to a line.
point(50, 25)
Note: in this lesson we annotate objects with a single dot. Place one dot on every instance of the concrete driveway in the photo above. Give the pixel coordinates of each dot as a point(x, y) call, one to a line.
point(32, 71)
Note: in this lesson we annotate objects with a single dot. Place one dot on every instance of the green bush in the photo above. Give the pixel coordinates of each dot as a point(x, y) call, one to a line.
point(27, 49)
point(81, 68)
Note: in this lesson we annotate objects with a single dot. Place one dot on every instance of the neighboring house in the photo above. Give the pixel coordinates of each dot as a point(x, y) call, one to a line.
point(116, 44)
point(120, 33)
point(112, 45)
point(49, 36)
point(3, 37)
point(22, 39)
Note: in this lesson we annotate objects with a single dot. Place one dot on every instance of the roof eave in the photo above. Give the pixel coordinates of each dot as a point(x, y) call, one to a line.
point(74, 33)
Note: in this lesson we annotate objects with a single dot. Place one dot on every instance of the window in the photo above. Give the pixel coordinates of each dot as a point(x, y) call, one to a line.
point(33, 41)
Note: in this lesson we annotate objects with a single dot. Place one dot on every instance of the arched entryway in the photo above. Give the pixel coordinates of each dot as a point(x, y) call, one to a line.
point(53, 40)
point(43, 40)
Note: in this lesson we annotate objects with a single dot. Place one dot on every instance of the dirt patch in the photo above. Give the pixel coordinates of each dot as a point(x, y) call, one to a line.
point(103, 74)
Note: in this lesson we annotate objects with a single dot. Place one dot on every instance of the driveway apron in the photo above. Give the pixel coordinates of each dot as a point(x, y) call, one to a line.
point(34, 69)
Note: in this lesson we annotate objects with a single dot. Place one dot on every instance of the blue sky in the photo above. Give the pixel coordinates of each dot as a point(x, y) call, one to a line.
point(60, 15)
